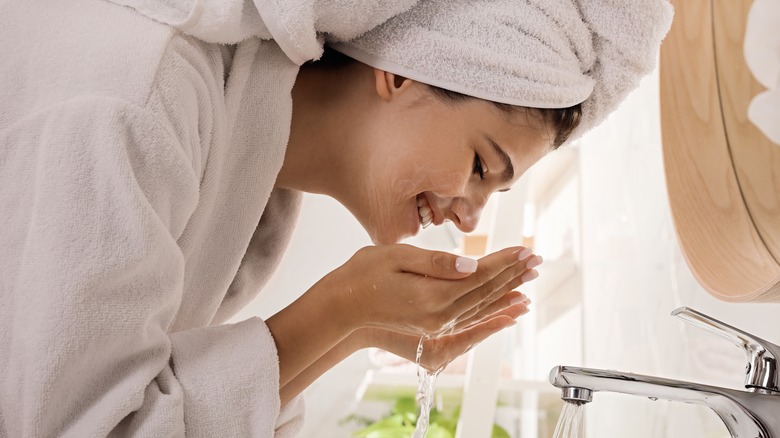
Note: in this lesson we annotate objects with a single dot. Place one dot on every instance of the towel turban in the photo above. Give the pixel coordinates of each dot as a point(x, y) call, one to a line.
point(531, 53)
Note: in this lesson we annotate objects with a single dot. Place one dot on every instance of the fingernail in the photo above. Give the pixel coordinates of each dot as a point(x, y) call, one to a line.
point(529, 275)
point(523, 312)
point(524, 253)
point(534, 262)
point(465, 264)
point(520, 299)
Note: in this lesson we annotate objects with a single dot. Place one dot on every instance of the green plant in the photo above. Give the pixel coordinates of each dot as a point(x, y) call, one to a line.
point(402, 420)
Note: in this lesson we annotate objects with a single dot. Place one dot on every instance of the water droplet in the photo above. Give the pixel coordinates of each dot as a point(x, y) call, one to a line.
point(653, 398)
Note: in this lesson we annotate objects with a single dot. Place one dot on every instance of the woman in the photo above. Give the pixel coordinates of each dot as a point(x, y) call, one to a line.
point(152, 157)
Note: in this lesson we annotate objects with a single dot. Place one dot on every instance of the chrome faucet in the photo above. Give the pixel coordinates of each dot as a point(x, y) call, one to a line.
point(752, 413)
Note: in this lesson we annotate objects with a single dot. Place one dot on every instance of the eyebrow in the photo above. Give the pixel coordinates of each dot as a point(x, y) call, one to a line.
point(509, 169)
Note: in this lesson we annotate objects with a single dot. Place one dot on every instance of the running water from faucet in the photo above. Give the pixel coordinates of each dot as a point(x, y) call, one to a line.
point(570, 423)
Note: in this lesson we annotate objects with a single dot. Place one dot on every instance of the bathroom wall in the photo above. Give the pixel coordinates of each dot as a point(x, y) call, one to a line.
point(634, 275)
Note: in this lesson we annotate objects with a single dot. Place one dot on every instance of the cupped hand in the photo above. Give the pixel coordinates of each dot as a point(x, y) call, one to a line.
point(415, 291)
point(439, 351)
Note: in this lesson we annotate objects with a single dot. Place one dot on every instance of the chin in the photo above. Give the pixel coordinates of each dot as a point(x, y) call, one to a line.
point(383, 240)
point(380, 239)
point(385, 230)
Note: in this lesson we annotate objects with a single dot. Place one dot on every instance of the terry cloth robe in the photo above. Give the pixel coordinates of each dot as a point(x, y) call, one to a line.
point(137, 214)
point(132, 179)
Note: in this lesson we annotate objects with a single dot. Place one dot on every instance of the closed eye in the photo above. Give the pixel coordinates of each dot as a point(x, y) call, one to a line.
point(478, 169)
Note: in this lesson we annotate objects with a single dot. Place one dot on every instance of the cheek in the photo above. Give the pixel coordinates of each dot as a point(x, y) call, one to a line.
point(387, 197)
point(392, 179)
point(450, 178)
point(411, 180)
point(396, 168)
point(412, 160)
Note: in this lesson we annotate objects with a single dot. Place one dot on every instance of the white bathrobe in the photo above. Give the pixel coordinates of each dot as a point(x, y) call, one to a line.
point(136, 163)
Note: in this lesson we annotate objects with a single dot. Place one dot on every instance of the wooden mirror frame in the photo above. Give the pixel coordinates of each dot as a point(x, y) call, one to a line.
point(723, 175)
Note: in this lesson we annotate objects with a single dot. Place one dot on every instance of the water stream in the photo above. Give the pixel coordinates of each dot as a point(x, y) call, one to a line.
point(570, 423)
point(426, 383)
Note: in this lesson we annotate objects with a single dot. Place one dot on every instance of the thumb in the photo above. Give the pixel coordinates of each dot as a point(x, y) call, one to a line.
point(437, 264)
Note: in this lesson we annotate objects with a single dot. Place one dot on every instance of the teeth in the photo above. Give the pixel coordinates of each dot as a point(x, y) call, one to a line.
point(425, 213)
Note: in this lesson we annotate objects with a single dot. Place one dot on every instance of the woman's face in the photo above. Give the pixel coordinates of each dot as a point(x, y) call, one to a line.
point(427, 160)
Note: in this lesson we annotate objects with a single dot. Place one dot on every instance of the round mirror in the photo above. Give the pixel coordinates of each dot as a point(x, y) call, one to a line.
point(723, 174)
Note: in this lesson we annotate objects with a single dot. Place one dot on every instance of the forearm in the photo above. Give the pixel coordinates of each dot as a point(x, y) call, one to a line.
point(355, 341)
point(307, 330)
point(339, 352)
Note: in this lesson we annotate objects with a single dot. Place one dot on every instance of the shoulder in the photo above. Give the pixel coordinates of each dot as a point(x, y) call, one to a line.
point(57, 51)
point(71, 53)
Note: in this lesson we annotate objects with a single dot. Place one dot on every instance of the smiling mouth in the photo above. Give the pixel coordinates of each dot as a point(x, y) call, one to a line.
point(424, 213)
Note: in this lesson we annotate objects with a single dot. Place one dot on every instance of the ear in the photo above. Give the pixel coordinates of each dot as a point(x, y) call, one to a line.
point(389, 85)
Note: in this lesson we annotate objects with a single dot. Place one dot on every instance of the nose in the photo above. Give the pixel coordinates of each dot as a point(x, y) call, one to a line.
point(466, 212)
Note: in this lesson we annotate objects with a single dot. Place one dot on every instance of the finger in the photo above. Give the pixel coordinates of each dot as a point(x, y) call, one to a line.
point(513, 311)
point(499, 293)
point(514, 305)
point(510, 279)
point(505, 281)
point(494, 264)
point(508, 299)
point(491, 299)
point(436, 264)
point(490, 266)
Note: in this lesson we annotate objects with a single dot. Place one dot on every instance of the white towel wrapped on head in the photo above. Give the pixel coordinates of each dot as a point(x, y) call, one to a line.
point(532, 53)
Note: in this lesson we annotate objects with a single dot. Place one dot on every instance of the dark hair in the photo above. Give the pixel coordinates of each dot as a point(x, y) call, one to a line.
point(331, 59)
point(563, 120)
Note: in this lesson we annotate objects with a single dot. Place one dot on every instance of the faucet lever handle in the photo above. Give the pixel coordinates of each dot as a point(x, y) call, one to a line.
point(762, 371)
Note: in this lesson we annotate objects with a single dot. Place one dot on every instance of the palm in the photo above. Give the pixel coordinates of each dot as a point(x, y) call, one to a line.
point(439, 351)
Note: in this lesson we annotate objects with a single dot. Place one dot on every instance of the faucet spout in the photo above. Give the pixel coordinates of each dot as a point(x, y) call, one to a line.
point(745, 414)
